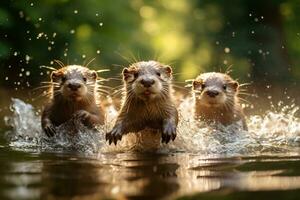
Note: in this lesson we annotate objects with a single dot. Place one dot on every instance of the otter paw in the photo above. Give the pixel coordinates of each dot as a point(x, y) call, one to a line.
point(169, 132)
point(84, 117)
point(114, 135)
point(49, 129)
point(81, 114)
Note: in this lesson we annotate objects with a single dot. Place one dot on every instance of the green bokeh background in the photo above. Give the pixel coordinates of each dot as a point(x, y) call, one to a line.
point(259, 40)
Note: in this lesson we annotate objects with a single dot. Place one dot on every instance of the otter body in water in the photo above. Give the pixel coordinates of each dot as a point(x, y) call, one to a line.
point(148, 102)
point(73, 96)
point(216, 99)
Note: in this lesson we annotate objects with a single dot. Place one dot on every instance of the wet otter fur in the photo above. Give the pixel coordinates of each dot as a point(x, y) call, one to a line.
point(216, 99)
point(147, 103)
point(73, 95)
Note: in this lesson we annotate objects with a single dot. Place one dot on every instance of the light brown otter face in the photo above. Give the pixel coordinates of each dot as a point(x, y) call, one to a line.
point(74, 82)
point(147, 80)
point(214, 89)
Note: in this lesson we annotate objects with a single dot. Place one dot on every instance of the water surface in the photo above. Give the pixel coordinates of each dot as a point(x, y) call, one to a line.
point(203, 162)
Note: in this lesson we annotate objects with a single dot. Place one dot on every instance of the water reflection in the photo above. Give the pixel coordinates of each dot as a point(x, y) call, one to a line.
point(141, 176)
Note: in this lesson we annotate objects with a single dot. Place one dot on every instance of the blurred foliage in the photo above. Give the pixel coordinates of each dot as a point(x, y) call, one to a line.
point(259, 40)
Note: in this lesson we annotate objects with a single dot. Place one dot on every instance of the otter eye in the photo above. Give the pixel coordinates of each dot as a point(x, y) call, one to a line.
point(84, 79)
point(63, 79)
point(224, 87)
point(135, 75)
point(158, 74)
point(203, 85)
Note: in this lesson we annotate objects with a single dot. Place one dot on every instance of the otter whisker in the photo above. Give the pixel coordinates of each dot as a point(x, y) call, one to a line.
point(43, 87)
point(244, 100)
point(92, 60)
point(124, 58)
point(245, 84)
point(103, 86)
point(48, 67)
point(61, 64)
point(247, 94)
point(102, 70)
point(50, 83)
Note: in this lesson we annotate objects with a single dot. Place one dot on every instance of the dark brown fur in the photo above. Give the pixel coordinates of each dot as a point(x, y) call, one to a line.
point(226, 110)
point(66, 104)
point(146, 108)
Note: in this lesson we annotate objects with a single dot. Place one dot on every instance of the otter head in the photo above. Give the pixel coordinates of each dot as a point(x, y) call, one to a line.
point(215, 89)
point(147, 80)
point(74, 82)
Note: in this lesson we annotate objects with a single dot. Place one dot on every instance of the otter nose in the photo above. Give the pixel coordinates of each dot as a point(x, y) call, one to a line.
point(212, 93)
point(74, 86)
point(147, 82)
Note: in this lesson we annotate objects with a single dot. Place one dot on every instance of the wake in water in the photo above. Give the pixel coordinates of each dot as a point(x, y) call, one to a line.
point(274, 132)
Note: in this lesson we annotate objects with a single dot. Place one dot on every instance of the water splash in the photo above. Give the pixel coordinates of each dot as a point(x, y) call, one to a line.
point(273, 132)
point(27, 133)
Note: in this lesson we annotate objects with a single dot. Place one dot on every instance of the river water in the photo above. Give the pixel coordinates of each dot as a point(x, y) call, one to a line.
point(203, 162)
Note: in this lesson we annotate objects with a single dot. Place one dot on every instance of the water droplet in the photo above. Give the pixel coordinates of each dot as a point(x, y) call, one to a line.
point(54, 35)
point(227, 50)
point(27, 73)
point(262, 17)
point(27, 58)
point(6, 78)
point(49, 48)
point(15, 53)
point(233, 34)
point(83, 56)
point(31, 4)
point(75, 11)
point(40, 19)
point(256, 19)
point(97, 14)
point(225, 62)
point(260, 51)
point(65, 54)
point(20, 74)
point(21, 14)
point(41, 73)
point(100, 24)
point(72, 31)
point(98, 51)
point(22, 70)
point(40, 35)
point(250, 14)
point(252, 32)
point(217, 42)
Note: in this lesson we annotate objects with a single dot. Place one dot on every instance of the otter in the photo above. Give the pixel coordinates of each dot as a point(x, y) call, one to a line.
point(73, 95)
point(216, 99)
point(147, 103)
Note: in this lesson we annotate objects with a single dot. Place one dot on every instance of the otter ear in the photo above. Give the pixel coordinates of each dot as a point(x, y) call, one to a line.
point(197, 83)
point(168, 70)
point(235, 85)
point(128, 75)
point(55, 75)
point(94, 74)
